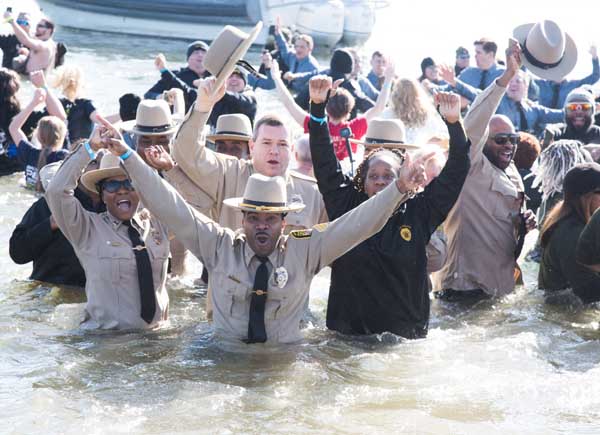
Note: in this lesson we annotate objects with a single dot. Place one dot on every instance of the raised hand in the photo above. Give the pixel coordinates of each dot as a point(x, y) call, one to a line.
point(448, 104)
point(594, 51)
point(390, 70)
point(159, 158)
point(39, 96)
point(513, 56)
point(103, 134)
point(8, 15)
point(38, 79)
point(208, 94)
point(320, 87)
point(160, 62)
point(447, 74)
point(412, 173)
point(267, 60)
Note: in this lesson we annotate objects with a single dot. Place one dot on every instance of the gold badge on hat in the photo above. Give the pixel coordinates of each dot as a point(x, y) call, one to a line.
point(406, 233)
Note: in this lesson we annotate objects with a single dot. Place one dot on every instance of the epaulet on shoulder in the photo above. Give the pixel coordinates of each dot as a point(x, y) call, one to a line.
point(303, 177)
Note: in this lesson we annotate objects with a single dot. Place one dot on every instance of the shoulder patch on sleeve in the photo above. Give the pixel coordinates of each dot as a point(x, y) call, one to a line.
point(303, 177)
point(320, 227)
point(301, 234)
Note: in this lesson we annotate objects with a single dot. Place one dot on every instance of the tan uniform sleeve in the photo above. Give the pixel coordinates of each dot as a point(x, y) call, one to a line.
point(352, 228)
point(73, 220)
point(189, 190)
point(208, 169)
point(479, 115)
point(199, 234)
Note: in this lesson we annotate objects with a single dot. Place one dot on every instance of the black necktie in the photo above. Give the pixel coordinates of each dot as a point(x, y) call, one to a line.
point(144, 271)
point(256, 319)
point(482, 81)
point(555, 93)
point(522, 117)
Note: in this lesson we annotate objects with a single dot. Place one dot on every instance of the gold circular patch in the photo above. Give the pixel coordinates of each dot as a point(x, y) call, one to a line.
point(405, 233)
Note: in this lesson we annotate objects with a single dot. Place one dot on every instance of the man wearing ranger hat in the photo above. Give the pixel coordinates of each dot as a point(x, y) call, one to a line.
point(232, 135)
point(260, 276)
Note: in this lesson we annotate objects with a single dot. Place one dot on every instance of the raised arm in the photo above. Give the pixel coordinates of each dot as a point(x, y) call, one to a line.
point(71, 217)
point(23, 37)
point(382, 99)
point(53, 104)
point(16, 125)
point(285, 96)
point(595, 75)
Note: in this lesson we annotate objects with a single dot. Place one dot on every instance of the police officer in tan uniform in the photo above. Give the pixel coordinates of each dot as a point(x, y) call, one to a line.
point(123, 251)
point(260, 276)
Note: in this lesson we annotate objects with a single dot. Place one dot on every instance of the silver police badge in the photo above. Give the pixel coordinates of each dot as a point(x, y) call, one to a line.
point(281, 277)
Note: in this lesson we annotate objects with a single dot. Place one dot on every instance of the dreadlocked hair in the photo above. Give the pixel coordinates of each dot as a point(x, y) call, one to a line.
point(363, 168)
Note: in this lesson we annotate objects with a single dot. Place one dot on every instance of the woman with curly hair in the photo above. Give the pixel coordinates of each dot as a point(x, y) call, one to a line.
point(382, 284)
point(411, 105)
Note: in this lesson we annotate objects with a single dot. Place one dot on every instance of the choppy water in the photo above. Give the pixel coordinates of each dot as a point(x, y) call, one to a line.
point(512, 366)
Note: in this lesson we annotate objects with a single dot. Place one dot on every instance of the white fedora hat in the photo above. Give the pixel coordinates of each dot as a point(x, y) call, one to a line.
point(264, 195)
point(226, 50)
point(548, 52)
point(385, 133)
point(233, 126)
point(110, 166)
point(153, 118)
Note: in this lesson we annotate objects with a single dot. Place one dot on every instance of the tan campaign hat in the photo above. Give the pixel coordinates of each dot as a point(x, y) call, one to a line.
point(48, 172)
point(264, 195)
point(153, 118)
point(385, 133)
point(548, 52)
point(110, 166)
point(235, 126)
point(226, 50)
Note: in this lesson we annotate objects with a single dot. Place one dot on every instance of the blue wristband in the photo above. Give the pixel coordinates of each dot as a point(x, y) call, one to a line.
point(319, 120)
point(126, 155)
point(89, 150)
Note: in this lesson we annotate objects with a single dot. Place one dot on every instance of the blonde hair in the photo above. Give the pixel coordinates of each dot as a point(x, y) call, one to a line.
point(410, 103)
point(69, 79)
point(50, 133)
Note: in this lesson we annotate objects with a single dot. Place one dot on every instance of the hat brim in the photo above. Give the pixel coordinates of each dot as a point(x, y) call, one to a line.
point(214, 137)
point(559, 72)
point(239, 204)
point(130, 127)
point(237, 54)
point(388, 145)
point(90, 179)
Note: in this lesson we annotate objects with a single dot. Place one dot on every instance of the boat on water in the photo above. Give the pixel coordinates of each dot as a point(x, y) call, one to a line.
point(328, 21)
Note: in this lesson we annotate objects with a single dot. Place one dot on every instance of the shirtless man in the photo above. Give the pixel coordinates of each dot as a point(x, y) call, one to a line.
point(42, 48)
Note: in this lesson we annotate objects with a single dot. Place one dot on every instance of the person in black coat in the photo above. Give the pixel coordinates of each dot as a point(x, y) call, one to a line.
point(38, 239)
point(382, 284)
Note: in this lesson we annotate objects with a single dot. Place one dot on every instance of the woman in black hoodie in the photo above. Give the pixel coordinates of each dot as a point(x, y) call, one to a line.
point(382, 284)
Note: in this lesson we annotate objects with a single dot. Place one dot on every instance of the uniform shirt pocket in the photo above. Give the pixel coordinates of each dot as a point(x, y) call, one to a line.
point(277, 302)
point(505, 200)
point(118, 260)
point(238, 301)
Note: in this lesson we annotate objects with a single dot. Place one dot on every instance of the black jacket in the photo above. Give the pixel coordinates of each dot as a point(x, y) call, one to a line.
point(564, 131)
point(54, 260)
point(382, 284)
point(9, 44)
point(174, 79)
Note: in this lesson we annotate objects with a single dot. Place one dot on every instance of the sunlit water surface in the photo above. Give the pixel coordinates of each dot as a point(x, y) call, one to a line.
point(511, 366)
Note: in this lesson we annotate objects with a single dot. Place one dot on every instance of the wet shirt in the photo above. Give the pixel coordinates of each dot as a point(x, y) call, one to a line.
point(382, 284)
point(105, 251)
point(358, 127)
point(559, 268)
point(482, 227)
point(29, 156)
point(232, 264)
point(221, 176)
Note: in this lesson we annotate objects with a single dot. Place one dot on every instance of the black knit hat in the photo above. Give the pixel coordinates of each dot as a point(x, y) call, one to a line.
point(196, 45)
point(341, 62)
point(426, 63)
point(581, 179)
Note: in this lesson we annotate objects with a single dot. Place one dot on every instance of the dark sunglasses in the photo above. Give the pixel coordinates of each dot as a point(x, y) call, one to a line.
point(503, 138)
point(113, 186)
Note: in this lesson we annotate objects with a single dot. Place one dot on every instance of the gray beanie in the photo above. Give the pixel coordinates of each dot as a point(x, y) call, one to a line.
point(580, 95)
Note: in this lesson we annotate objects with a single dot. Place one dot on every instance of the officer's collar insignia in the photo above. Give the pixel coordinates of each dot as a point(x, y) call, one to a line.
point(301, 234)
point(406, 233)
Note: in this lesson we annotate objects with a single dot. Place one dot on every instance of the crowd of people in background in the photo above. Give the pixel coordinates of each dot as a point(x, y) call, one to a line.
point(408, 187)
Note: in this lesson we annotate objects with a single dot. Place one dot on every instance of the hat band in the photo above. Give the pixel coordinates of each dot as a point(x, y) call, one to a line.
point(536, 62)
point(374, 140)
point(247, 202)
point(237, 133)
point(157, 129)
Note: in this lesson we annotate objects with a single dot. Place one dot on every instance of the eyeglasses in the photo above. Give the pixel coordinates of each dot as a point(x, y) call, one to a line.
point(113, 186)
point(503, 138)
point(463, 57)
point(579, 106)
point(22, 22)
point(43, 26)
